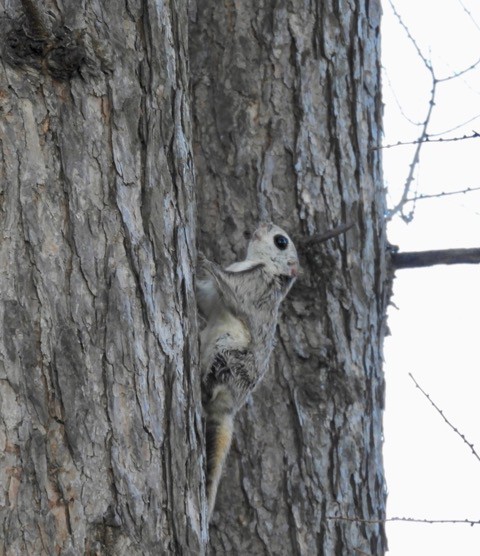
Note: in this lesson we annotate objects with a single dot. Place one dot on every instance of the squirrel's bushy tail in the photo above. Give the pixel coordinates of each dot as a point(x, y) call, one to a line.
point(219, 430)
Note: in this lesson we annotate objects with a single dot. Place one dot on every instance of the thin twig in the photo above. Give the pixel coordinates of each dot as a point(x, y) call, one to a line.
point(320, 238)
point(462, 436)
point(459, 73)
point(428, 139)
point(409, 519)
point(454, 128)
point(469, 13)
point(442, 194)
point(428, 63)
point(397, 101)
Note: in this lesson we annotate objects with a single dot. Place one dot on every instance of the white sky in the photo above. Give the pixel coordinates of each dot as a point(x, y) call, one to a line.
point(431, 472)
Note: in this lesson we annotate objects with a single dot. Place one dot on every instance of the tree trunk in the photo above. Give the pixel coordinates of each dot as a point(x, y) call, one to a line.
point(101, 438)
point(100, 430)
point(287, 111)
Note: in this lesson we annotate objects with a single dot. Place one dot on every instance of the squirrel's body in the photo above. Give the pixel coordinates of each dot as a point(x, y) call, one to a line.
point(241, 305)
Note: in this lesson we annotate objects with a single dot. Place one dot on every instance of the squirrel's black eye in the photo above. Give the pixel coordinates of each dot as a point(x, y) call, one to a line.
point(280, 241)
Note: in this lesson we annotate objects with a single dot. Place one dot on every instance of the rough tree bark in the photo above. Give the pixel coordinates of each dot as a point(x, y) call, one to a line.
point(287, 110)
point(100, 428)
point(100, 418)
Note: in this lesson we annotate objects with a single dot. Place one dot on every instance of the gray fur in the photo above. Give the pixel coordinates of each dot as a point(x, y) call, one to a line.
point(240, 305)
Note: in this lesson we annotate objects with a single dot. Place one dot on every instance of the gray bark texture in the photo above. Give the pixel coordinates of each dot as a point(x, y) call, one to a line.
point(100, 431)
point(107, 112)
point(287, 108)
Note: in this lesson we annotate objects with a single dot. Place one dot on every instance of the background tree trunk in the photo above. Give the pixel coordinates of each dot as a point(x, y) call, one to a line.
point(100, 430)
point(287, 109)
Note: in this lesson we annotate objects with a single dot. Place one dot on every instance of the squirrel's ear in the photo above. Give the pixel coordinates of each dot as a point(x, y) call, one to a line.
point(264, 227)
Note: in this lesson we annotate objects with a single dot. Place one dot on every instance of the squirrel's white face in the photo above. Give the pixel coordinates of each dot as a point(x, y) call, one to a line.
point(272, 246)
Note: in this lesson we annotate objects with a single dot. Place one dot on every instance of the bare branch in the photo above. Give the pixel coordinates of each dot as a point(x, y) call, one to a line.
point(428, 139)
point(320, 238)
point(458, 73)
point(417, 259)
point(416, 159)
point(442, 194)
point(462, 436)
point(470, 522)
point(424, 136)
point(427, 62)
point(445, 131)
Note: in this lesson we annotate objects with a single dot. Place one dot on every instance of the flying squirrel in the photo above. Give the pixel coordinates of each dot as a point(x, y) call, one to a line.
point(240, 305)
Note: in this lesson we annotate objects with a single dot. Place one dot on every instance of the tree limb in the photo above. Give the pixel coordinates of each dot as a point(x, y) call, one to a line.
point(417, 259)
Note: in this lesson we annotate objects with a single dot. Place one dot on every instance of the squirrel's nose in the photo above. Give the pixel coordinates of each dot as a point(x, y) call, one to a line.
point(293, 268)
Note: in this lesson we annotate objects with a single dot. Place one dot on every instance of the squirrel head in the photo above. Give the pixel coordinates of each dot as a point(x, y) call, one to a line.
point(273, 247)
